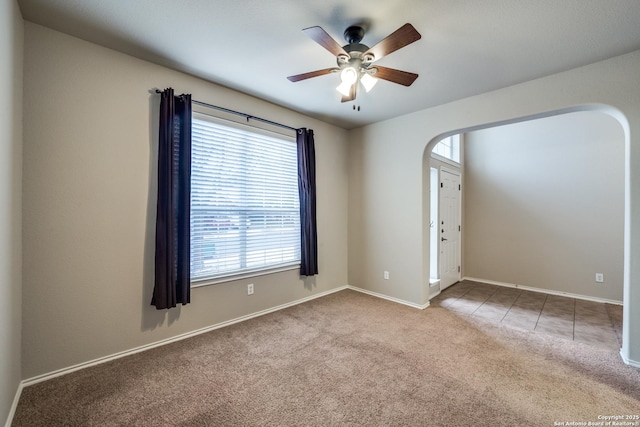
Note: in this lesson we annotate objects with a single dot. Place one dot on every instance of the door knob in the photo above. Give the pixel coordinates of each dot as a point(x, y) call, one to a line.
point(443, 239)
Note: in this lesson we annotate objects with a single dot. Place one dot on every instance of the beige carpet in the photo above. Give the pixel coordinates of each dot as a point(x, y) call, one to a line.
point(346, 359)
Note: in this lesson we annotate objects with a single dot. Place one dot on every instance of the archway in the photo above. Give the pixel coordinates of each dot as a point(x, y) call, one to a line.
point(610, 111)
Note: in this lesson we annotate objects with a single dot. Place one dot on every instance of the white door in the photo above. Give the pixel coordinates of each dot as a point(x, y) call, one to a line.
point(449, 228)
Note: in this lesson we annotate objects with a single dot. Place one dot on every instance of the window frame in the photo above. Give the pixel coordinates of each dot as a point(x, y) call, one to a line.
point(227, 119)
point(458, 140)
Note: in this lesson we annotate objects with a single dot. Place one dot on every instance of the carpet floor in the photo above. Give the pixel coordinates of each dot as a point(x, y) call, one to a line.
point(347, 359)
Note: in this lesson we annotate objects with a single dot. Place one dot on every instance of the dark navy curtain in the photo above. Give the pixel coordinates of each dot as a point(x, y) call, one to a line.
point(172, 278)
point(307, 190)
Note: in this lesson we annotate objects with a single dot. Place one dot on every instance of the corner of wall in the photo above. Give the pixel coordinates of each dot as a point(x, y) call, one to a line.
point(11, 140)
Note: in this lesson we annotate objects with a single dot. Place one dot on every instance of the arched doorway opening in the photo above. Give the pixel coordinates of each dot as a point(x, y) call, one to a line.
point(606, 290)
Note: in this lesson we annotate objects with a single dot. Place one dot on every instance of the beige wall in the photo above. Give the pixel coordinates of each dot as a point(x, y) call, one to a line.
point(11, 50)
point(89, 206)
point(544, 204)
point(389, 177)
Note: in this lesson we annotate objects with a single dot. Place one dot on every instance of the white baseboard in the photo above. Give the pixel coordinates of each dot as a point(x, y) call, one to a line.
point(388, 298)
point(629, 361)
point(543, 291)
point(14, 405)
point(64, 371)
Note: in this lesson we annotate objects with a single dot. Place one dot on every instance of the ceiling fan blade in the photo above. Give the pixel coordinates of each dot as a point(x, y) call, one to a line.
point(311, 74)
point(403, 78)
point(400, 38)
point(352, 93)
point(321, 37)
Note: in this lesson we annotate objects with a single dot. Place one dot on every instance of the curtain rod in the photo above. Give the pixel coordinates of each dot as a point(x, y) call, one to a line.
point(247, 116)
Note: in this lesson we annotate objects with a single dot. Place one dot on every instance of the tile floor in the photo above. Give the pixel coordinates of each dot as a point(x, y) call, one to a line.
point(574, 319)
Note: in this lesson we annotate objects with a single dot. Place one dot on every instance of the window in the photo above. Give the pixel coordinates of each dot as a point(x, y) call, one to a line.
point(245, 214)
point(449, 148)
point(433, 224)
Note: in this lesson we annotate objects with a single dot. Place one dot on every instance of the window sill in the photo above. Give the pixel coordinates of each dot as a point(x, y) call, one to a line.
point(246, 275)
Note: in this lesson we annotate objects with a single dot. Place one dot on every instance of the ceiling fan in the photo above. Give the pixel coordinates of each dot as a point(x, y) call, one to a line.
point(355, 60)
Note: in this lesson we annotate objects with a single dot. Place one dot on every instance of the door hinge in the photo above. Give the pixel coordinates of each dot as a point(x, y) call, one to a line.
point(441, 184)
point(458, 269)
point(458, 228)
point(459, 188)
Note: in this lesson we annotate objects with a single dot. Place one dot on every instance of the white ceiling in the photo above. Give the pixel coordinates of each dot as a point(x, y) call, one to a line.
point(468, 46)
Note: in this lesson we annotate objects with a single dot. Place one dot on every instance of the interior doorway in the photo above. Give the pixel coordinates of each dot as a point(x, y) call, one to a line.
point(590, 277)
point(522, 228)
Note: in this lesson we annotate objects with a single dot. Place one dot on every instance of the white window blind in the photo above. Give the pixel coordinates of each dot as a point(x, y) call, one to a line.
point(245, 214)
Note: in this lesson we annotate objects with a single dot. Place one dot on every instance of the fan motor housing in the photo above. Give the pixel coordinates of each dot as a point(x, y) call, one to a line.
point(356, 49)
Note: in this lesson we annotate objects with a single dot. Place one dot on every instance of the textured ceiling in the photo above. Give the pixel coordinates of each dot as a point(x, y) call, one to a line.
point(467, 47)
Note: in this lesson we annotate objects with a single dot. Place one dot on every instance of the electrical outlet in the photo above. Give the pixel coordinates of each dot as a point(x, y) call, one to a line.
point(386, 275)
point(250, 289)
point(599, 278)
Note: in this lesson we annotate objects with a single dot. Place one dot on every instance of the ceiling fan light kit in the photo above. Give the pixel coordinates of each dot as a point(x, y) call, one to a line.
point(355, 60)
